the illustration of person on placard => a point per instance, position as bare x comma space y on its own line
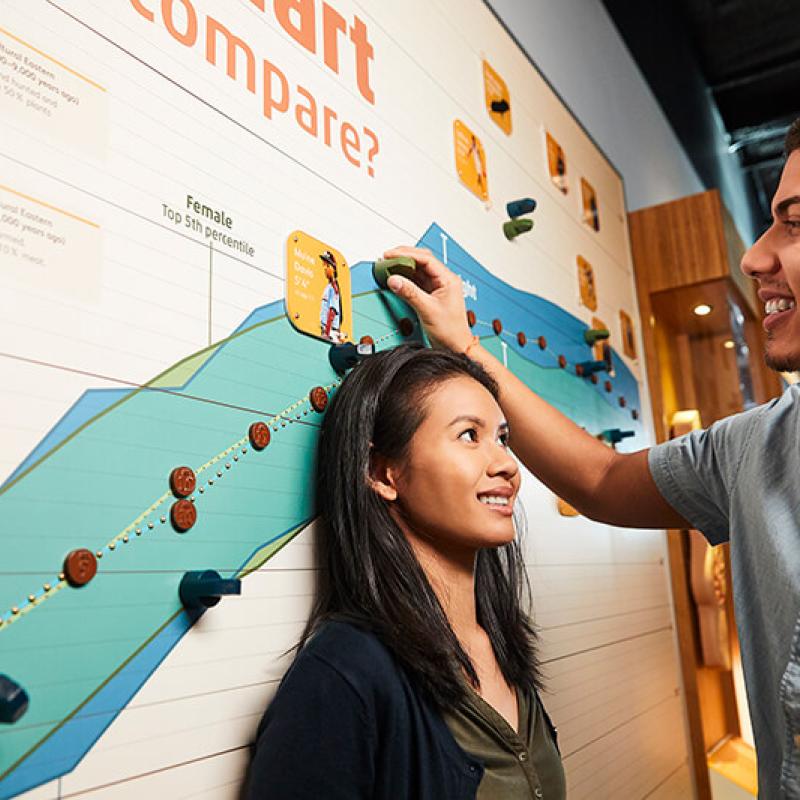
330, 313
560, 178
480, 167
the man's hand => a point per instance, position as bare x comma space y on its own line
437, 297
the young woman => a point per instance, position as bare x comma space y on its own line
416, 677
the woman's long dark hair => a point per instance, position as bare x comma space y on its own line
368, 573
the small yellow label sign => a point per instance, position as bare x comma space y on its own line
318, 294
498, 99
470, 160
587, 284
557, 164
628, 335
565, 509
591, 213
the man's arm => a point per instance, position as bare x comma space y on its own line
601, 483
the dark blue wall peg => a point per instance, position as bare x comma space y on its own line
594, 335
346, 356
500, 106
13, 700
588, 368
615, 435
404, 266
514, 227
516, 208
203, 589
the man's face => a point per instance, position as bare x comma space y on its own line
774, 261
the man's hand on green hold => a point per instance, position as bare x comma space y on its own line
436, 294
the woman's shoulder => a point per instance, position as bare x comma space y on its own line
351, 650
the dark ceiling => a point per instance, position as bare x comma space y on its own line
746, 55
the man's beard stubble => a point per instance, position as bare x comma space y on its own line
788, 363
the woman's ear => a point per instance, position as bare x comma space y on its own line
382, 477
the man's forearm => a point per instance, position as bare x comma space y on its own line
598, 481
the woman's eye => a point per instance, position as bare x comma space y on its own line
469, 435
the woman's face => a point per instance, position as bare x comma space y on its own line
458, 485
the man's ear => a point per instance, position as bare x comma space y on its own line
382, 477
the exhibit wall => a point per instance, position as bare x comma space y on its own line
577, 46
191, 198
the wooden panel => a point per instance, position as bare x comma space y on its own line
680, 243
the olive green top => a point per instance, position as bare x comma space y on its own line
519, 765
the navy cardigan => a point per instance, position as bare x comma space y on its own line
347, 723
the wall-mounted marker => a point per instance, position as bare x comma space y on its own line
500, 106
516, 208
344, 357
13, 700
587, 368
515, 227
182, 481
594, 335
382, 270
183, 515
615, 435
203, 589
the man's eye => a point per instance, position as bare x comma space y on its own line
503, 439
793, 225
469, 435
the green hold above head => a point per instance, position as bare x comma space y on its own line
404, 266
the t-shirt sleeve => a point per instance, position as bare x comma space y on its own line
696, 473
316, 739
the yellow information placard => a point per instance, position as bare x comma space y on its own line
470, 160
628, 335
588, 289
591, 213
498, 98
318, 294
557, 164
602, 347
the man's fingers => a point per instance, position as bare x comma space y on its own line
431, 273
408, 291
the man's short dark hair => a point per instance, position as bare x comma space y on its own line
792, 142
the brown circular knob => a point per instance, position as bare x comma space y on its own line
622, 402
259, 435
607, 386
634, 413
319, 399
542, 342
471, 318
80, 566
182, 481
522, 339
367, 340
562, 362
497, 326
183, 515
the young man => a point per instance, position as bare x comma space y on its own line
738, 481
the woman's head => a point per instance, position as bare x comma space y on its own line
436, 457
414, 446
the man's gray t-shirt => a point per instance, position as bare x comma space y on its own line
742, 476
